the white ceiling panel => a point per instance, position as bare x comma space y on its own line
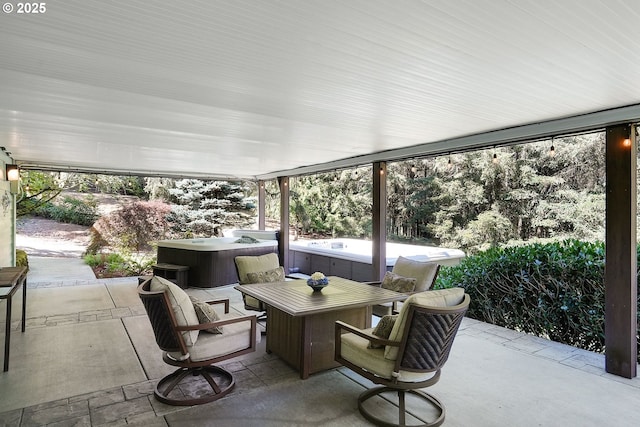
249, 88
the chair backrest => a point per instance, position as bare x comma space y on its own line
246, 264
424, 272
429, 335
162, 318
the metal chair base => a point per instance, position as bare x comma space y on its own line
218, 389
378, 391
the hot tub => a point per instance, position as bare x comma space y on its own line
351, 258
210, 260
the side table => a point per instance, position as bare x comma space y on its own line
178, 274
11, 278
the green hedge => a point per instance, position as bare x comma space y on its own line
553, 290
71, 210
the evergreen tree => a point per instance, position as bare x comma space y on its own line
204, 208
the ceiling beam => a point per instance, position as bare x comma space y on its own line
594, 121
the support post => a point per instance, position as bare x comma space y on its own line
621, 290
261, 206
283, 244
379, 217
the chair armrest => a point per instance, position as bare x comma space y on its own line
220, 301
374, 339
201, 326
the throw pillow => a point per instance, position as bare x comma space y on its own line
383, 329
398, 283
206, 314
274, 275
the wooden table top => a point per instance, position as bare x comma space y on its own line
10, 275
296, 298
9, 278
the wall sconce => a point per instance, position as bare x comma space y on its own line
13, 173
13, 176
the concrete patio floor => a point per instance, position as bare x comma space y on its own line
88, 358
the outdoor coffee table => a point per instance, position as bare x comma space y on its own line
300, 322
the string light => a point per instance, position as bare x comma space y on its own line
495, 158
552, 150
627, 142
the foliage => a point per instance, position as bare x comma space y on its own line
203, 208
336, 204
72, 210
158, 188
107, 265
110, 184
553, 290
21, 258
133, 228
470, 202
465, 200
38, 189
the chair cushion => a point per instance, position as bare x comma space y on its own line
254, 264
235, 337
273, 275
180, 304
398, 283
206, 314
383, 329
439, 298
355, 349
424, 272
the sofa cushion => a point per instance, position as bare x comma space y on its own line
235, 337
181, 305
439, 298
206, 314
424, 272
355, 349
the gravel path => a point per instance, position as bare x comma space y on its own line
41, 237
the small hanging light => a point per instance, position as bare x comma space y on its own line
495, 158
552, 150
413, 169
627, 142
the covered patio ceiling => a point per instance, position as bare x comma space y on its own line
257, 89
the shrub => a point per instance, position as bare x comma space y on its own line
21, 258
117, 265
134, 227
71, 210
553, 290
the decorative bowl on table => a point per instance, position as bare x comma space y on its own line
317, 281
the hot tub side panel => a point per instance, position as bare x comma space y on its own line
208, 269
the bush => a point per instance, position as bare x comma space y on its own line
553, 290
134, 227
71, 210
21, 258
116, 265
